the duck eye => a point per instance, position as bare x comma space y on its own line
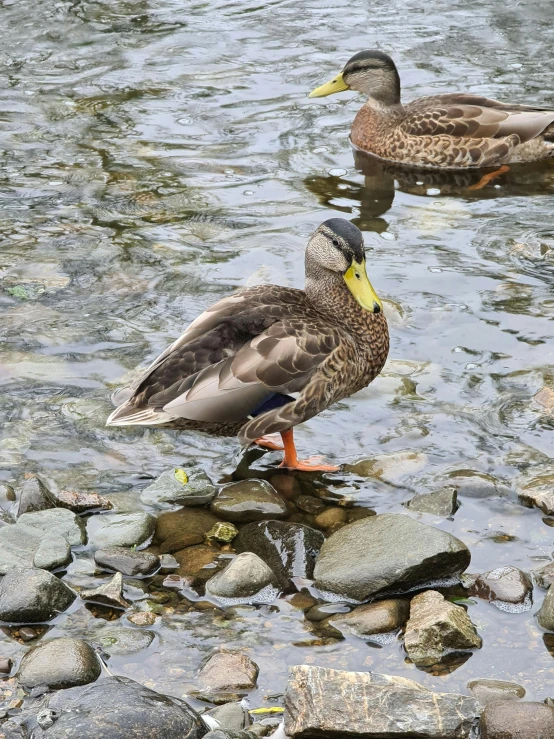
335, 242
357, 275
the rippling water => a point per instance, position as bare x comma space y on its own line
156, 155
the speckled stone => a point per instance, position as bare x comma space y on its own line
30, 595
517, 720
247, 501
59, 663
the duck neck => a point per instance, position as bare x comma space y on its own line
329, 294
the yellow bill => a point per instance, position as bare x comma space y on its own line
336, 85
359, 285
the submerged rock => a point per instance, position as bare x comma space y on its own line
32, 595
373, 618
538, 491
504, 586
22, 547
108, 594
289, 549
391, 467
437, 628
231, 716
228, 672
177, 486
491, 691
443, 502
334, 703
247, 501
390, 553
121, 641
119, 708
544, 576
223, 532
175, 525
59, 663
517, 720
127, 561
120, 529
545, 615
248, 578
35, 496
81, 502
55, 522
200, 563
475, 484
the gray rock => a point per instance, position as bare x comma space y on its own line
127, 561
229, 734
443, 502
169, 488
121, 641
544, 576
545, 615
22, 547
373, 618
247, 578
32, 595
247, 501
517, 720
59, 663
35, 496
475, 484
228, 671
333, 703
437, 628
324, 611
108, 594
289, 549
120, 529
492, 691
119, 708
505, 587
390, 553
57, 522
231, 716
538, 490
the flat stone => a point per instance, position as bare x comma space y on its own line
170, 487
81, 502
545, 615
544, 576
492, 691
373, 618
121, 642
320, 702
476, 484
330, 517
538, 491
35, 496
443, 502
55, 522
504, 585
391, 467
184, 522
230, 716
143, 618
517, 720
228, 671
180, 541
120, 529
437, 628
310, 504
59, 663
198, 562
127, 561
246, 578
288, 549
22, 547
247, 501
109, 593
30, 595
324, 611
389, 553
119, 708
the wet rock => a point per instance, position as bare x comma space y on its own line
302, 601
323, 611
119, 708
228, 672
181, 541
538, 491
55, 522
309, 504
184, 522
544, 576
7, 496
120, 529
127, 561
168, 563
223, 532
492, 691
230, 716
517, 720
443, 502
81, 502
33, 595
247, 501
121, 641
333, 703
35, 496
59, 663
22, 547
330, 517
229, 734
143, 618
373, 618
27, 634
289, 549
108, 594
390, 468
389, 553
475, 484
504, 586
177, 486
545, 615
248, 578
437, 628
198, 562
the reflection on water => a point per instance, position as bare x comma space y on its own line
156, 155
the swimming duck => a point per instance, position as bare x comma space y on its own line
267, 358
452, 131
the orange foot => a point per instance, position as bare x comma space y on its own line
485, 179
270, 441
292, 462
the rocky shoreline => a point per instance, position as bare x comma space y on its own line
252, 543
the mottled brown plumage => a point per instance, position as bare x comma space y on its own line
452, 131
265, 343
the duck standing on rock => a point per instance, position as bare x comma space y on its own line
268, 357
451, 131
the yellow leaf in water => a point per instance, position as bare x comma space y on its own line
181, 476
259, 711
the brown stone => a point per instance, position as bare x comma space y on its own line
356, 514
180, 541
374, 618
196, 561
302, 601
143, 618
79, 502
228, 671
330, 517
517, 720
492, 691
544, 576
310, 505
184, 521
506, 584
287, 485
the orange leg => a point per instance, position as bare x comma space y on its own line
486, 178
270, 441
292, 462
